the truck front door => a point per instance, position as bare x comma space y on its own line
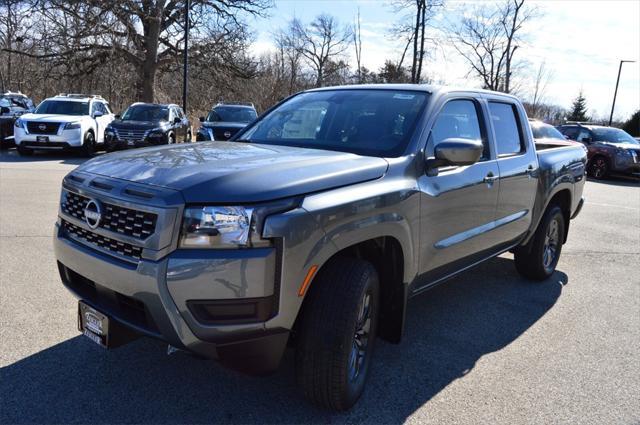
458, 205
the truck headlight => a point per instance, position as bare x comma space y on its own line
229, 227
215, 227
72, 125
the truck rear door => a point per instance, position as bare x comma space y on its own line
518, 165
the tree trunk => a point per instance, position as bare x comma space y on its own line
148, 68
422, 28
415, 42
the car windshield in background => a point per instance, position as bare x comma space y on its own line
544, 131
231, 114
365, 122
613, 135
63, 107
146, 113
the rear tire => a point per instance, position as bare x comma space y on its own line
24, 151
337, 333
88, 148
538, 259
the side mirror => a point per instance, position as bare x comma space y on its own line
97, 114
177, 120
455, 151
586, 140
201, 119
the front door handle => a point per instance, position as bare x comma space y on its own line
490, 178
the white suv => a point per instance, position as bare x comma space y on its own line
62, 122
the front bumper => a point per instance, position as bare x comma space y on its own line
64, 139
626, 164
154, 298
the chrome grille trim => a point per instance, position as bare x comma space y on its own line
93, 240
136, 135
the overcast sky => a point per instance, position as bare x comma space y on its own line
581, 43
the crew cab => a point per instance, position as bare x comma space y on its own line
225, 120
610, 150
313, 227
66, 121
148, 124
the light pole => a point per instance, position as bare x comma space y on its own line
615, 93
185, 74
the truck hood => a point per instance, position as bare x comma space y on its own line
52, 117
632, 146
230, 172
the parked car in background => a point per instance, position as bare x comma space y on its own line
225, 120
66, 121
610, 150
340, 205
148, 124
547, 136
12, 106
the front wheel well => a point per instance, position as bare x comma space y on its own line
386, 255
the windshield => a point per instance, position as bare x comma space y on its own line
365, 122
146, 113
231, 114
613, 135
545, 131
63, 107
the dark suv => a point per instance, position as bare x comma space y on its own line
12, 105
610, 150
148, 124
225, 120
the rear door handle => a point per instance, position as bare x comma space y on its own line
490, 178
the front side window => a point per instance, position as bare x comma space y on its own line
63, 107
146, 113
362, 121
458, 119
506, 126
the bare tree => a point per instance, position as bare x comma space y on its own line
488, 39
148, 34
321, 42
357, 43
540, 83
412, 29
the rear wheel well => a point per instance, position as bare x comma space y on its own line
563, 200
386, 255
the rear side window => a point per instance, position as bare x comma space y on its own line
458, 119
506, 126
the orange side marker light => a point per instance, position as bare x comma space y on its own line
307, 280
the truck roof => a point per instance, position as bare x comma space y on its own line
428, 88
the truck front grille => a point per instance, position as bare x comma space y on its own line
36, 127
126, 221
93, 239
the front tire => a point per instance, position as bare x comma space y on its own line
88, 148
599, 168
337, 333
538, 259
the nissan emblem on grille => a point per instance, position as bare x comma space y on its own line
42, 127
93, 213
227, 134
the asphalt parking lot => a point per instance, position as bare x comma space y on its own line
487, 347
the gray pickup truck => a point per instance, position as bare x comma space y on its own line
313, 227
